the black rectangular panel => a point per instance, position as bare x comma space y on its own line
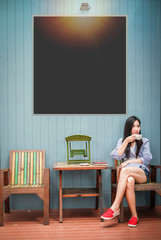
79, 65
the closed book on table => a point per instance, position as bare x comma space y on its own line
101, 163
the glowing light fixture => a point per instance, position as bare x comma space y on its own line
84, 7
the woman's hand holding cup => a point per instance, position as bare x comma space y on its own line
130, 139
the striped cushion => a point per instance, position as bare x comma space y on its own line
26, 168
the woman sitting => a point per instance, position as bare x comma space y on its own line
136, 155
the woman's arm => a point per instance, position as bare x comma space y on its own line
122, 148
145, 153
135, 160
114, 153
119, 152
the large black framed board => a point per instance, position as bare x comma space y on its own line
79, 64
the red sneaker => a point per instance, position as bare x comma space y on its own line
109, 214
133, 222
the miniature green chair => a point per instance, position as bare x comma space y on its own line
71, 153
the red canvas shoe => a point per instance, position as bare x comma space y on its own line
110, 214
133, 222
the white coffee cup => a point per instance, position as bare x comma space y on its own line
138, 136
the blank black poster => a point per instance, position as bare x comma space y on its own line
79, 65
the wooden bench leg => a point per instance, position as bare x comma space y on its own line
46, 196
46, 212
113, 195
1, 213
113, 190
152, 193
1, 198
152, 199
7, 205
121, 216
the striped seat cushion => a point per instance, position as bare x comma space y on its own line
26, 168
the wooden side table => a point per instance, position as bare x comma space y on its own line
79, 192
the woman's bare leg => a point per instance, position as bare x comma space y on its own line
130, 196
139, 176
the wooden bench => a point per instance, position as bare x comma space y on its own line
26, 175
152, 186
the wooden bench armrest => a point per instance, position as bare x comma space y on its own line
4, 170
154, 172
151, 166
155, 166
114, 167
47, 170
4, 176
46, 176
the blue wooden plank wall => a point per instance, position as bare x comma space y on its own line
20, 129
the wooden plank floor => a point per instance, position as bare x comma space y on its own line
80, 224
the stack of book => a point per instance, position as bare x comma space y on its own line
100, 163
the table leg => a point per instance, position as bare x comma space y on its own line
60, 198
100, 191
97, 186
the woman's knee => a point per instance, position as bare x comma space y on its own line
130, 183
124, 172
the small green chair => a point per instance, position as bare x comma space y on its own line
84, 154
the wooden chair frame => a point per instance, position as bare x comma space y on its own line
42, 191
152, 186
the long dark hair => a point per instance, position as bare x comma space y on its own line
127, 132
